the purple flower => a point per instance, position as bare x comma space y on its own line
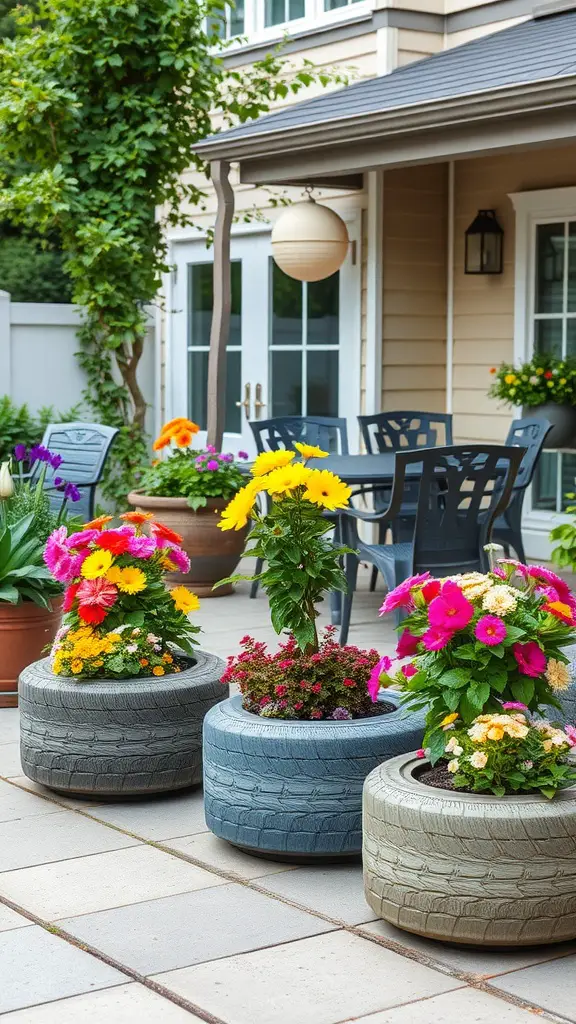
340, 714
226, 457
58, 482
180, 559
141, 547
38, 453
56, 461
201, 458
210, 448
71, 493
212, 465
514, 705
20, 452
243, 455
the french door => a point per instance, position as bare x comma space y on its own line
294, 349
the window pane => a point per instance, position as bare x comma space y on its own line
548, 337
198, 384
274, 12
571, 338
331, 5
286, 309
545, 478
572, 267
296, 9
568, 478
200, 302
323, 383
323, 311
286, 375
549, 268
237, 19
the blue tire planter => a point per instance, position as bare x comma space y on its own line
290, 789
568, 699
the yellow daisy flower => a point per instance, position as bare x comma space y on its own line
288, 478
185, 600
158, 670
97, 564
129, 580
310, 451
237, 511
267, 461
327, 490
76, 666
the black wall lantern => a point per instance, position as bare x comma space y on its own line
484, 240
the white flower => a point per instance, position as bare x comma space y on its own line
478, 759
527, 765
558, 675
458, 751
152, 639
499, 600
533, 379
453, 765
132, 648
6, 481
452, 742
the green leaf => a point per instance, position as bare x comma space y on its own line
478, 693
455, 677
134, 619
523, 690
8, 593
436, 743
197, 501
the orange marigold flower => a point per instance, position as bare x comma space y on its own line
137, 517
144, 662
492, 369
161, 442
183, 439
560, 611
159, 530
157, 670
99, 523
167, 658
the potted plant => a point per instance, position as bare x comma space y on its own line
284, 762
188, 490
462, 839
546, 389
117, 709
30, 599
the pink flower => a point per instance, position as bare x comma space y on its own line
401, 596
62, 564
436, 639
98, 592
421, 753
373, 684
514, 705
501, 573
407, 644
490, 630
281, 690
82, 539
409, 670
212, 465
141, 547
450, 610
180, 559
571, 734
316, 713
299, 704
530, 659
540, 572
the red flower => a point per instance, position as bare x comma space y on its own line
348, 682
548, 374
407, 644
316, 688
99, 592
560, 611
159, 530
70, 596
431, 590
316, 713
92, 613
113, 541
299, 704
281, 690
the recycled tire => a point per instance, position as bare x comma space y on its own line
465, 868
117, 737
291, 789
567, 699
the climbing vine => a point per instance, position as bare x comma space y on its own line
100, 106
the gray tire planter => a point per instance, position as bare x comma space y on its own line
293, 789
562, 418
465, 868
116, 737
567, 699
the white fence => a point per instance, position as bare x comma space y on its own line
37, 360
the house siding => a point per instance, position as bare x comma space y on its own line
417, 45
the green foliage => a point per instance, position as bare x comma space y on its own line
184, 474
31, 273
8, 21
543, 379
19, 426
565, 554
23, 574
101, 107
506, 753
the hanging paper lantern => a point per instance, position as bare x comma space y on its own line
309, 241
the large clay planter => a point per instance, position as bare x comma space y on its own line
214, 554
563, 420
480, 870
293, 789
117, 737
25, 630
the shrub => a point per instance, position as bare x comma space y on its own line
31, 273
19, 426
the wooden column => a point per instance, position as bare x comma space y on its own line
220, 329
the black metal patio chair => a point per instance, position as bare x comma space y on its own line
529, 434
84, 448
461, 491
402, 431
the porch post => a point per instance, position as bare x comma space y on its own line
220, 329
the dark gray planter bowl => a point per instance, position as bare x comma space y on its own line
293, 789
117, 737
562, 418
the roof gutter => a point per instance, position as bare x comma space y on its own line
520, 98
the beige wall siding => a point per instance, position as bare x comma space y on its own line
484, 305
414, 299
417, 45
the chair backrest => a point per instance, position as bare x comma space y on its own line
529, 434
398, 431
84, 448
462, 488
328, 432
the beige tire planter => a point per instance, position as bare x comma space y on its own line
117, 737
465, 868
213, 553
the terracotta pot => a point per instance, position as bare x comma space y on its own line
25, 629
213, 554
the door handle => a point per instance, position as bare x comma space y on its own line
246, 402
258, 403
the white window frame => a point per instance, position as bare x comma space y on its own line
315, 17
532, 208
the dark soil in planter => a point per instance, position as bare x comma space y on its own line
438, 777
381, 707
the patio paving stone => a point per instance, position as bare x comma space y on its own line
320, 980
38, 967
335, 890
9, 726
216, 853
158, 818
50, 794
53, 837
480, 962
126, 1004
10, 764
9, 919
16, 804
466, 1004
177, 931
104, 881
551, 985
